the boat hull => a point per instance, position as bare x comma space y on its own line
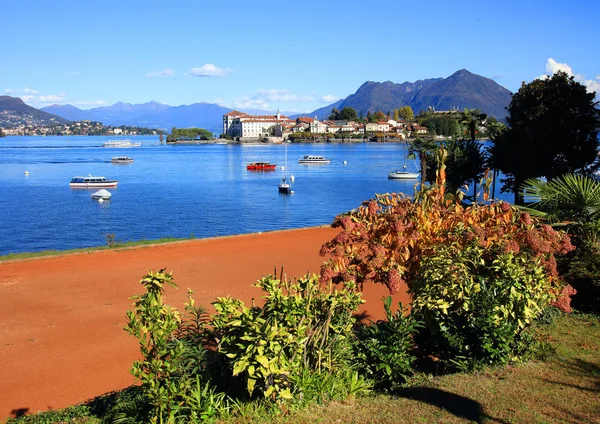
107, 184
269, 167
403, 175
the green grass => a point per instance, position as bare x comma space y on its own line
563, 389
117, 245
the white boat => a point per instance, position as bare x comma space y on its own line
121, 159
92, 182
403, 174
313, 159
101, 195
121, 143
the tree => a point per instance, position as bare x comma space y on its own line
379, 116
396, 115
422, 148
369, 117
2, 133
406, 113
472, 119
334, 115
348, 114
465, 164
554, 121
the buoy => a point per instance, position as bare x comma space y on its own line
282, 168
26, 172
345, 162
292, 178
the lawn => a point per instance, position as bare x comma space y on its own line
564, 388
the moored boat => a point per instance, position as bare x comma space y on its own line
403, 174
101, 194
122, 159
313, 159
261, 166
92, 182
121, 143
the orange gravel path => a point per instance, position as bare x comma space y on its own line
62, 317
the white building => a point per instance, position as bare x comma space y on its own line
253, 127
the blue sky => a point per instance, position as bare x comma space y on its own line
292, 56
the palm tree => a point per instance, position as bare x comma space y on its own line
472, 119
571, 198
422, 148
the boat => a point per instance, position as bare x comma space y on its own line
284, 187
101, 195
122, 159
404, 173
92, 182
121, 143
261, 166
313, 159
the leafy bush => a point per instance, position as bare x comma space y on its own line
478, 274
384, 350
582, 271
173, 365
301, 326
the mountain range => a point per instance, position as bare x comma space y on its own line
460, 90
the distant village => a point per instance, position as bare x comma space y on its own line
242, 127
77, 128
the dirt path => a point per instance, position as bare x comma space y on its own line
61, 318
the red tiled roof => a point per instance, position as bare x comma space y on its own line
235, 113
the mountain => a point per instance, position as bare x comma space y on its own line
14, 112
462, 89
150, 115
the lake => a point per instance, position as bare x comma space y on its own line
179, 190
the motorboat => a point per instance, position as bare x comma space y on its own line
313, 159
122, 159
101, 195
403, 174
92, 182
261, 166
121, 143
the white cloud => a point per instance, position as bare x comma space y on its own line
24, 91
164, 73
260, 99
329, 98
73, 74
209, 70
552, 66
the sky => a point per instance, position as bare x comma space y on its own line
294, 56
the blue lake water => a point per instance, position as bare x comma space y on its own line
178, 191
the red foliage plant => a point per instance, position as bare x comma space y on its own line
384, 240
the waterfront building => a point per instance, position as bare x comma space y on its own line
254, 127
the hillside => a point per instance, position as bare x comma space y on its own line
13, 111
462, 89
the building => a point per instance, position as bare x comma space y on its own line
246, 127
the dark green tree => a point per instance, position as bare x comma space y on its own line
334, 115
2, 133
471, 120
423, 149
348, 114
554, 125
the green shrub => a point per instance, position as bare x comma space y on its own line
384, 350
582, 271
301, 326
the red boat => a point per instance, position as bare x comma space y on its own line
261, 166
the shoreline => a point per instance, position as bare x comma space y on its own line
62, 317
